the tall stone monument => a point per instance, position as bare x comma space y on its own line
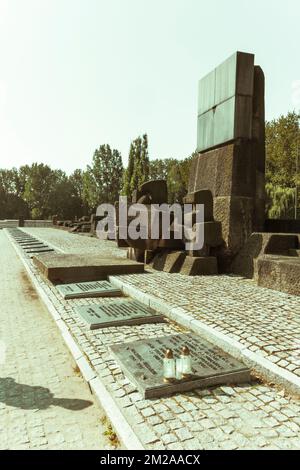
231, 146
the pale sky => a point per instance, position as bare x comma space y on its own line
75, 74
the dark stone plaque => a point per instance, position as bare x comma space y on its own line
88, 289
33, 245
20, 239
118, 313
142, 362
45, 249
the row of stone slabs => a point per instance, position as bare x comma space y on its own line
29, 244
118, 312
142, 361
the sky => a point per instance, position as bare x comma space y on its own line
75, 74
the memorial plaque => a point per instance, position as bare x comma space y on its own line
88, 289
46, 249
21, 239
32, 245
142, 362
118, 313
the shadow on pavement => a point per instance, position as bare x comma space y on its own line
28, 397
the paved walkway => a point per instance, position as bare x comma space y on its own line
44, 402
243, 416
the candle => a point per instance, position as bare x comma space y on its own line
169, 366
186, 362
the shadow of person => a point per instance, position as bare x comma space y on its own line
28, 397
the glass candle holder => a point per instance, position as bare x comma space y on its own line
169, 366
179, 368
186, 362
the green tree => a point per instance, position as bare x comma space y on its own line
282, 136
38, 190
103, 179
138, 165
282, 145
159, 168
280, 202
177, 180
11, 203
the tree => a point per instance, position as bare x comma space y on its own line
280, 202
282, 135
159, 168
138, 165
282, 145
177, 180
103, 179
38, 191
11, 203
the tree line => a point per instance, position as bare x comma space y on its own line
36, 191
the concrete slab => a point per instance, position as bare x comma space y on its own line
68, 268
88, 289
118, 313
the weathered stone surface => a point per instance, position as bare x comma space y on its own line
212, 233
225, 171
202, 197
195, 266
258, 244
155, 190
63, 268
279, 273
169, 262
142, 362
236, 216
118, 313
280, 244
88, 289
294, 252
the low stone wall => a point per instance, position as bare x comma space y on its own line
282, 226
38, 223
27, 223
8, 223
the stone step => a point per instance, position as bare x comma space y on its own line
169, 262
212, 233
280, 244
294, 252
68, 268
194, 266
280, 273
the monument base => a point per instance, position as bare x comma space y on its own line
67, 268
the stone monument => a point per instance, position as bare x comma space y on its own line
231, 146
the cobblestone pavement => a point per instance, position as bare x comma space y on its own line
243, 416
44, 402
